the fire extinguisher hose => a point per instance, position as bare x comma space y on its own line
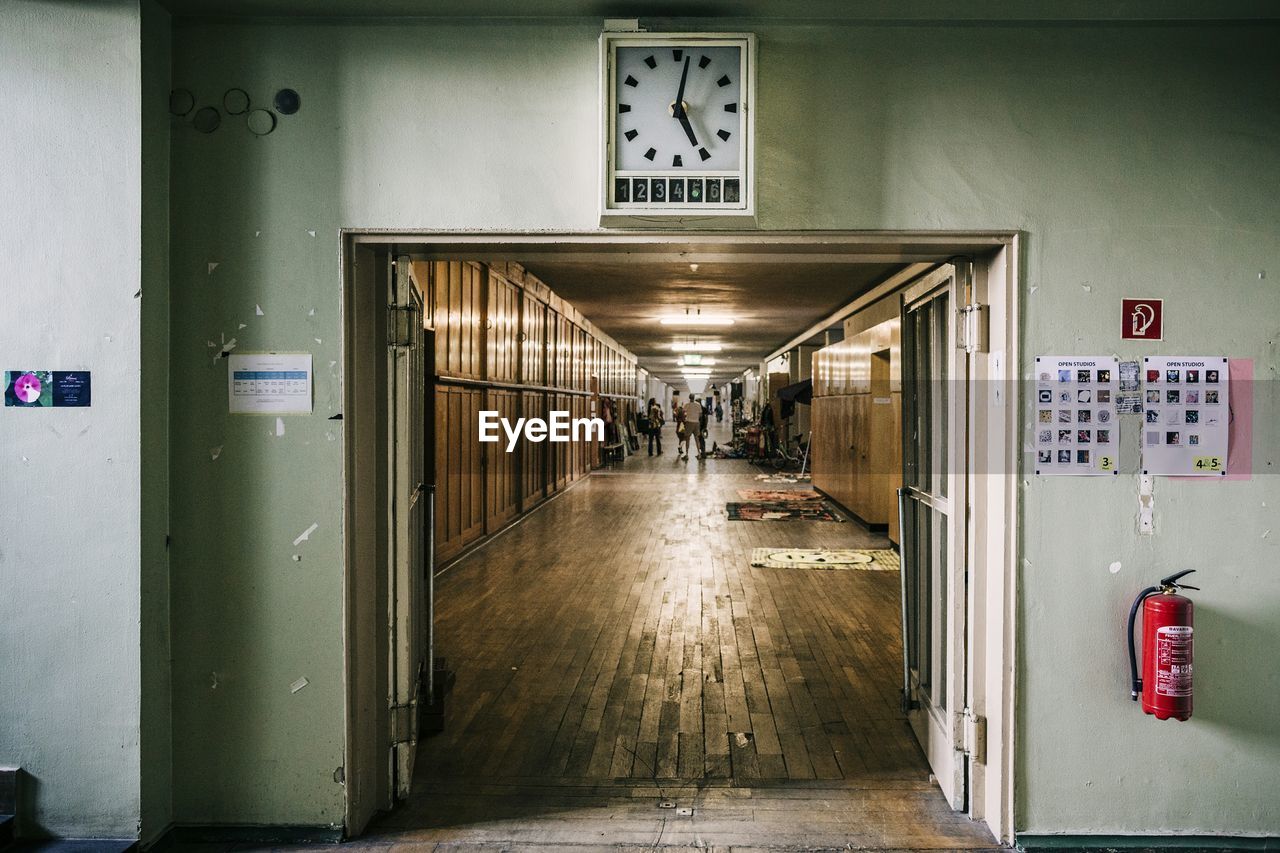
1135, 681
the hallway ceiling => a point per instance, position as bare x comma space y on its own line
772, 302
914, 11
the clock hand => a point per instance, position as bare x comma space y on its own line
688, 129
678, 110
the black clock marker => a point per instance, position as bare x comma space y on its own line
724, 81
624, 108
731, 108
723, 134
704, 62
677, 160
650, 61
631, 81
650, 154
677, 55
631, 134
702, 152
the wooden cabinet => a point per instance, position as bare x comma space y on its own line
502, 471
458, 308
533, 331
857, 423
502, 331
459, 481
504, 342
533, 455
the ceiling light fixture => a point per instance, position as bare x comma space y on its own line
696, 319
694, 360
697, 347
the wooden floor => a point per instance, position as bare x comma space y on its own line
616, 650
616, 653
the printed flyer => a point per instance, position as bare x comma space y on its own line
1075, 428
1187, 415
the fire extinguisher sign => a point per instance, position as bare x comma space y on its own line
1173, 660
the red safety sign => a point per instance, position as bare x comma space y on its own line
1142, 319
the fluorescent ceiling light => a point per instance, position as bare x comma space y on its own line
695, 360
707, 347
696, 320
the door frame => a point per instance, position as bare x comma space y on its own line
994, 526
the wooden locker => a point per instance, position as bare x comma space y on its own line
533, 455
533, 327
501, 469
502, 346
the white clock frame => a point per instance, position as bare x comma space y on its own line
746, 205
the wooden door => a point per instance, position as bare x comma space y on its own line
407, 512
501, 470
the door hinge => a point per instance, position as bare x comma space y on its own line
404, 723
973, 332
403, 326
973, 730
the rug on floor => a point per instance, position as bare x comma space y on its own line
783, 478
826, 558
818, 510
770, 495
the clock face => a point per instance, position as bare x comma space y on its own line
677, 123
701, 134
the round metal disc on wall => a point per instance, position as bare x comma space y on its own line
181, 102
235, 102
207, 119
288, 102
261, 122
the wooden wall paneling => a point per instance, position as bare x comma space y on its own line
460, 483
558, 453
444, 503
533, 326
474, 280
501, 469
857, 423
533, 455
473, 473
553, 347
458, 308
577, 357
502, 347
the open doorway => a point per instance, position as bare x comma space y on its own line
616, 650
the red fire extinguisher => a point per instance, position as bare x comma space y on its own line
1165, 683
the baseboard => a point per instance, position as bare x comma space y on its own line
1187, 843
245, 834
74, 845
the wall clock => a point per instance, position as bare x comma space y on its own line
678, 123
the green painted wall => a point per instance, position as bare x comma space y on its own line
1138, 159
70, 241
156, 723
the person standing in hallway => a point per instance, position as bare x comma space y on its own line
694, 415
688, 423
655, 425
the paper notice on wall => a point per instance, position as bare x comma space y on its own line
1074, 427
1129, 397
1187, 413
269, 383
